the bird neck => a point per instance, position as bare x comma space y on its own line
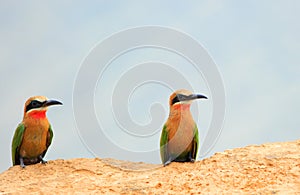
36, 114
181, 107
180, 110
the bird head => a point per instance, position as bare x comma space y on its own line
183, 98
37, 106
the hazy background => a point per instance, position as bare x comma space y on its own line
255, 44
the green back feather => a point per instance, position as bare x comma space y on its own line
49, 140
17, 140
163, 146
196, 142
50, 136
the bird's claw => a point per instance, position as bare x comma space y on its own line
42, 160
167, 162
22, 163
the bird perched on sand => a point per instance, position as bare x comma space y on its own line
34, 134
179, 138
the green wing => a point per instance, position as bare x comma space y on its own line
50, 136
163, 145
17, 140
49, 140
195, 143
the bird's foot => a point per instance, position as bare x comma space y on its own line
167, 162
22, 163
42, 160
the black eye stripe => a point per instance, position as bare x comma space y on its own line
175, 100
34, 104
178, 98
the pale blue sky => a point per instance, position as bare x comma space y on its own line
255, 45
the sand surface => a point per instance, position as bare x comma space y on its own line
264, 169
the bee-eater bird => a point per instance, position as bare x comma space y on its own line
34, 134
179, 138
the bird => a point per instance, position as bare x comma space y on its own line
34, 134
179, 139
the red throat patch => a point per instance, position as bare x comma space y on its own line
39, 114
182, 106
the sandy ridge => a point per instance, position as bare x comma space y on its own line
268, 169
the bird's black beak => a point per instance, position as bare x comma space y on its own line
51, 102
195, 96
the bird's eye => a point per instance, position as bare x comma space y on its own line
35, 104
